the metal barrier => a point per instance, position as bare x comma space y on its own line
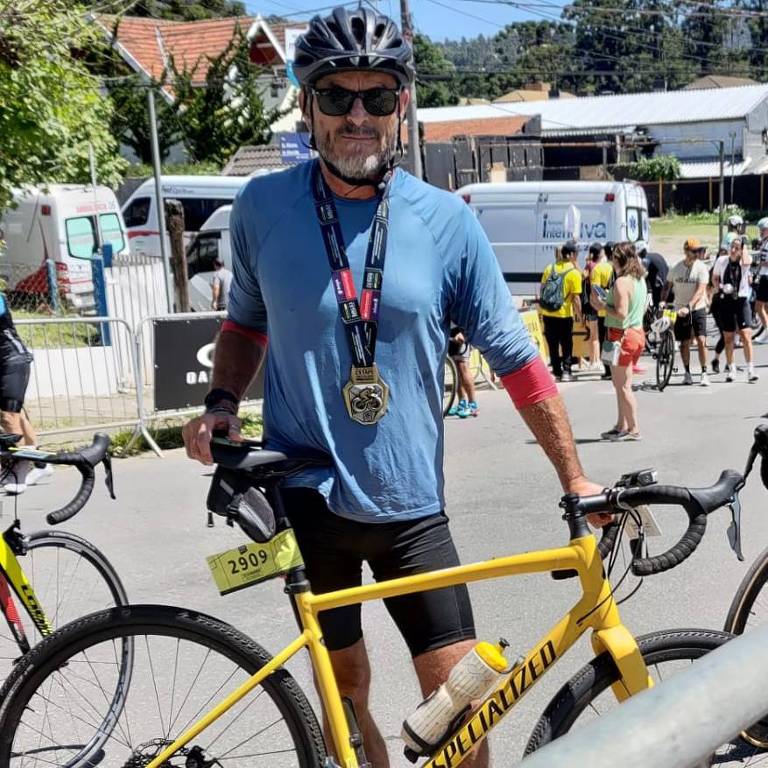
77, 382
679, 723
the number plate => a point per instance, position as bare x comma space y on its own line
670, 314
252, 563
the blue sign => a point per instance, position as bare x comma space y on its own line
294, 147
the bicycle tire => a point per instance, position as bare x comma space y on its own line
749, 589
114, 593
596, 677
59, 653
665, 358
450, 384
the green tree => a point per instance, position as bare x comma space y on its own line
52, 107
228, 111
431, 64
179, 10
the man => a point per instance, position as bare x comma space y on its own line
761, 297
656, 271
733, 231
220, 285
602, 276
689, 279
362, 381
558, 317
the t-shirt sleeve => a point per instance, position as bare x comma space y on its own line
246, 303
483, 306
574, 276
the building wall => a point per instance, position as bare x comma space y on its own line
673, 139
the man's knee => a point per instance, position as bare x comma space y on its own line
353, 672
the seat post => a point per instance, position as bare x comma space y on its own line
296, 579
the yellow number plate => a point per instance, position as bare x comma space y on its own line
671, 314
252, 563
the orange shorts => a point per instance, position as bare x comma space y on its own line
632, 344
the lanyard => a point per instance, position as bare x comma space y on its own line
360, 319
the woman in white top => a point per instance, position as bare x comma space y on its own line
730, 280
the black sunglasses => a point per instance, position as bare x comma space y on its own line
336, 101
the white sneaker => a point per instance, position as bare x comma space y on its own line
687, 378
728, 375
36, 474
17, 478
752, 376
704, 379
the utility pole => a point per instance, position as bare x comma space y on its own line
159, 197
413, 124
722, 193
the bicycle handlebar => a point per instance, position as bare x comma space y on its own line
697, 502
84, 459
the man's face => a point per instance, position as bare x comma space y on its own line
358, 144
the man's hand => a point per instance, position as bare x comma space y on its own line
596, 300
198, 432
683, 312
585, 487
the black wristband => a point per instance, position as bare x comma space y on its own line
220, 396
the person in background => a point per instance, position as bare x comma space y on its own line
602, 276
714, 308
220, 284
689, 279
761, 294
595, 255
460, 350
730, 278
558, 322
656, 271
734, 225
625, 305
15, 367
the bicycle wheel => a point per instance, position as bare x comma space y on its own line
665, 360
750, 603
588, 693
184, 664
70, 578
450, 385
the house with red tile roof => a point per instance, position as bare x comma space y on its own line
147, 45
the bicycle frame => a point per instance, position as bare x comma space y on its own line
13, 576
595, 610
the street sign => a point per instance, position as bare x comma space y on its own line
294, 147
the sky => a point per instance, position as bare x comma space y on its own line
439, 19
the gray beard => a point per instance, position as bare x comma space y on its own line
362, 167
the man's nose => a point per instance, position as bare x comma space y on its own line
357, 114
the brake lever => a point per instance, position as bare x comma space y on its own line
108, 479
734, 529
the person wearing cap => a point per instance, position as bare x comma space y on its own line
656, 270
688, 279
558, 323
357, 377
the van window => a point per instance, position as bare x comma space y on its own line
197, 210
137, 213
111, 232
202, 252
81, 237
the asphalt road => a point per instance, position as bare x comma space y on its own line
502, 498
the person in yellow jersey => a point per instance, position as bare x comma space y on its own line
560, 302
602, 276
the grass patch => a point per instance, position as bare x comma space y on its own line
54, 335
167, 435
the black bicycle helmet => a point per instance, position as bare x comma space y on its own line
352, 40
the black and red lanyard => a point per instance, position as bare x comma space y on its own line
360, 319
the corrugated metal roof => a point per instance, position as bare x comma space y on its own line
711, 170
601, 112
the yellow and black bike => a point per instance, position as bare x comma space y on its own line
48, 578
203, 694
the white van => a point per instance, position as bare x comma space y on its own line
526, 220
211, 242
66, 223
200, 196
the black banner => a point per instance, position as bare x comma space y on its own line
184, 362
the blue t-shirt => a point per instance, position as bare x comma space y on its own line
439, 269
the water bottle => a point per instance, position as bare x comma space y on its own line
472, 677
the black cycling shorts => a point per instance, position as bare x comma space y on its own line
14, 378
692, 325
334, 549
762, 289
735, 314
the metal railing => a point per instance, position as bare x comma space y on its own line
679, 723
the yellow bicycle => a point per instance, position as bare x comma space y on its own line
203, 694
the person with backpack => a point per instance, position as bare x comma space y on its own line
560, 302
596, 254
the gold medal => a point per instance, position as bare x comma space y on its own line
366, 395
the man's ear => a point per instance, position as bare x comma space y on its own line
405, 99
303, 106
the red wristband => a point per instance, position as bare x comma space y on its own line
230, 326
530, 384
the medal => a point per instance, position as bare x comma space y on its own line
366, 395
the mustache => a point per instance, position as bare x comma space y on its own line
363, 131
